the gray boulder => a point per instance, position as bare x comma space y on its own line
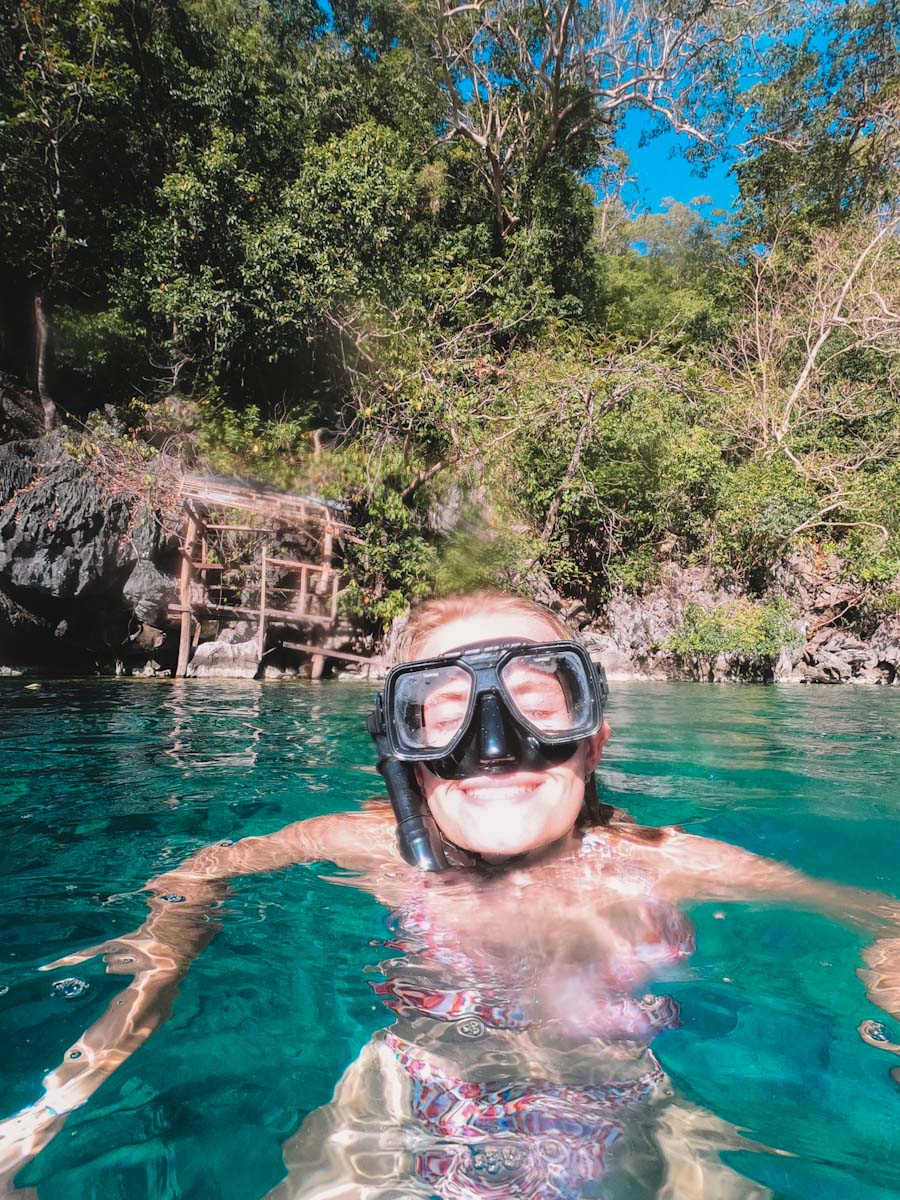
148, 593
61, 534
21, 415
225, 660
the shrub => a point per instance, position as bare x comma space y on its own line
757, 632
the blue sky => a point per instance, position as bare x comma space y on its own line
660, 170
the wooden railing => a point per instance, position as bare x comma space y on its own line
309, 594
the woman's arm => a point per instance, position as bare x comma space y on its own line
697, 868
703, 869
157, 954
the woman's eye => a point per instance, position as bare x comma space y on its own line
547, 715
447, 716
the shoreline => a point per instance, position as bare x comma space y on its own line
37, 676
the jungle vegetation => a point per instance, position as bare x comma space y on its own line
380, 249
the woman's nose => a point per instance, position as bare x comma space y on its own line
498, 741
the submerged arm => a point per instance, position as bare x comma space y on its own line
702, 869
158, 953
709, 870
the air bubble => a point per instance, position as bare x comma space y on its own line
68, 989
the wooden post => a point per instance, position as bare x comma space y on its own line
261, 632
318, 661
334, 597
327, 552
184, 596
302, 607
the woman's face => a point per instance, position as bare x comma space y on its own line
517, 811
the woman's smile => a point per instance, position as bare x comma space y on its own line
513, 787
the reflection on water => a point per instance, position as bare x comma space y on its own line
227, 737
569, 1075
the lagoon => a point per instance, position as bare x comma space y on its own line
107, 783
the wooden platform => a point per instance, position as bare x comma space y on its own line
224, 558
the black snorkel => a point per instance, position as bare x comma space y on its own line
418, 838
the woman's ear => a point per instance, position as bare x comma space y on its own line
595, 748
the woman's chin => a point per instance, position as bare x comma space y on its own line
507, 816
505, 838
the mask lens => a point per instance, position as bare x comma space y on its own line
549, 691
430, 707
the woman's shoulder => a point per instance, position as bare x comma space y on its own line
622, 830
624, 845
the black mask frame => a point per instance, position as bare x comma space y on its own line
492, 713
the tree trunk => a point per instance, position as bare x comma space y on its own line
41, 350
583, 435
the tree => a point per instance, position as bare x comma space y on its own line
63, 105
824, 124
667, 274
528, 81
812, 372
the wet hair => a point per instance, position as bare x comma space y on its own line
433, 614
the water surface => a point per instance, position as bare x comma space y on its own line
107, 783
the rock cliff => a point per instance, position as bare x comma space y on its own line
84, 569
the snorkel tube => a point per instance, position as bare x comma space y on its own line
418, 840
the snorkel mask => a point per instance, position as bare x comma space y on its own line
485, 709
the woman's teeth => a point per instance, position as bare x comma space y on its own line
512, 791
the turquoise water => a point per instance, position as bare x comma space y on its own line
107, 783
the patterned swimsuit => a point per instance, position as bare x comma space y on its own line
532, 1138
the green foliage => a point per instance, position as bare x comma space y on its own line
65, 101
824, 119
273, 228
246, 443
96, 353
753, 632
667, 275
394, 561
762, 502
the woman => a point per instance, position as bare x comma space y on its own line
519, 1060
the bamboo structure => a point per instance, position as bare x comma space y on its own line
226, 559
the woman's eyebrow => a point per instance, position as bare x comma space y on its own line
447, 693
533, 679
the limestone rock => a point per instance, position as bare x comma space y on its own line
148, 593
16, 470
884, 649
787, 670
62, 535
617, 665
225, 660
21, 415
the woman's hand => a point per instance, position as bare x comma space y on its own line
882, 974
157, 964
157, 954
131, 954
21, 1138
882, 980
